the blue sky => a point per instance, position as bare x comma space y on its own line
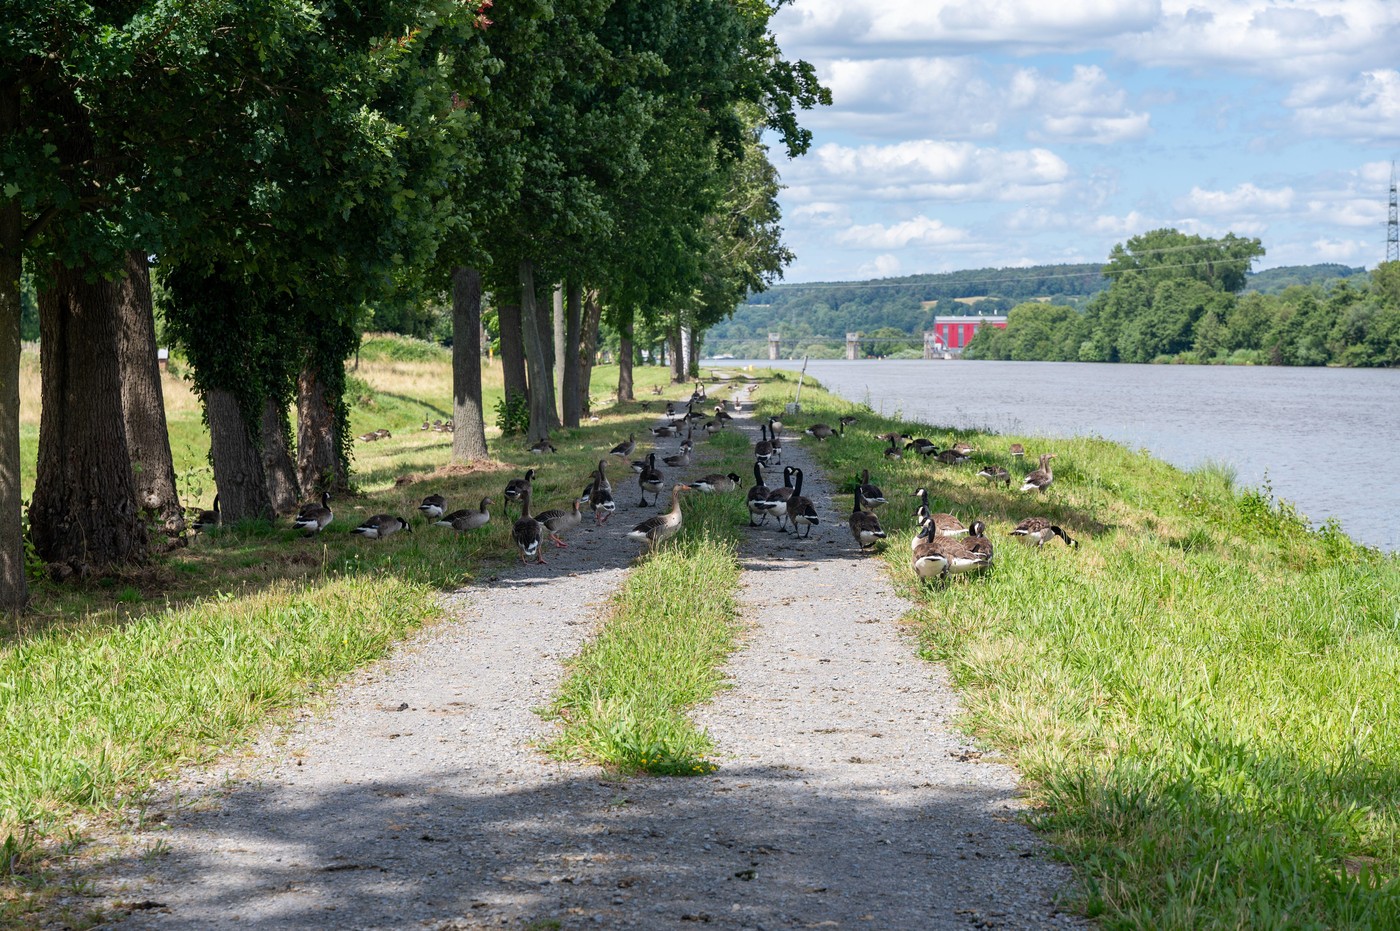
970, 133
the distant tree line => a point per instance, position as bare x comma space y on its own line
1177, 298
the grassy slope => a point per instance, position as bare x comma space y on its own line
107, 685
1202, 696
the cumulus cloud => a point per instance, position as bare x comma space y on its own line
823, 214
1342, 250
1130, 224
929, 169
1365, 106
921, 231
1245, 199
882, 266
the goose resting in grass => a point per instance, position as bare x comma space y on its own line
313, 518
1040, 479
938, 557
996, 474
433, 507
944, 524
1041, 531
654, 531
1017, 451
865, 526
208, 520
468, 520
381, 526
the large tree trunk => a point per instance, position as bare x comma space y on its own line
143, 401
14, 592
512, 351
573, 313
281, 475
558, 364
83, 517
624, 358
673, 341
588, 349
693, 362
546, 330
534, 355
238, 466
469, 432
320, 466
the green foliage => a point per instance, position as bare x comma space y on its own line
379, 346
513, 415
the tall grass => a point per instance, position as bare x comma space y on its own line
1202, 697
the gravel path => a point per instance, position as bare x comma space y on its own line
418, 798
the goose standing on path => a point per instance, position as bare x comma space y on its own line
680, 460
800, 508
528, 533
715, 482
557, 521
757, 498
600, 495
517, 489
778, 498
381, 526
433, 507
870, 494
624, 449
865, 526
763, 449
314, 517
465, 519
1041, 531
656, 530
208, 520
1040, 479
773, 427
650, 480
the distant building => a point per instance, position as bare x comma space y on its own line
953, 333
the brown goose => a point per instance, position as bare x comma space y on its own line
1040, 479
650, 480
865, 526
1017, 451
382, 526
467, 520
757, 498
976, 540
543, 446
656, 530
951, 457
715, 482
939, 557
528, 533
1041, 531
962, 449
944, 524
680, 460
822, 431
557, 521
996, 474
624, 449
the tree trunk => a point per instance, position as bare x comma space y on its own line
512, 352
624, 359
143, 401
546, 331
534, 355
694, 360
588, 349
561, 349
573, 312
14, 591
673, 341
83, 518
320, 466
238, 467
469, 433
281, 475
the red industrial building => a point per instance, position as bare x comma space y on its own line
952, 334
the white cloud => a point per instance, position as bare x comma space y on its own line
823, 215
1245, 199
928, 169
921, 231
1342, 250
1130, 224
1365, 107
882, 266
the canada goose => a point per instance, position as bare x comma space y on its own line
1040, 479
865, 526
663, 432
848, 421
995, 474
543, 446
763, 449
516, 489
527, 532
757, 498
976, 540
715, 482
893, 437
433, 506
722, 416
778, 498
922, 446
381, 526
650, 480
713, 427
938, 557
600, 495
367, 437
944, 524
656, 389
800, 508
738, 403
1017, 451
892, 451
383, 433
1041, 531
821, 431
951, 457
468, 520
624, 449
680, 460
774, 427
870, 494
655, 530
962, 449
313, 518
208, 520
557, 521
426, 425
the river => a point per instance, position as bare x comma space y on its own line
1326, 439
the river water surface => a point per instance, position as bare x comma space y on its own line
1327, 439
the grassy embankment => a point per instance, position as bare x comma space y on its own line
1202, 696
108, 685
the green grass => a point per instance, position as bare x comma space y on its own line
624, 703
1202, 696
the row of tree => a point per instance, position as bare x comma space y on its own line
295, 168
1175, 297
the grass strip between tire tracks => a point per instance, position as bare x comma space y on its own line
659, 653
1202, 696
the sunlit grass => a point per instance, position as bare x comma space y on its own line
1202, 696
